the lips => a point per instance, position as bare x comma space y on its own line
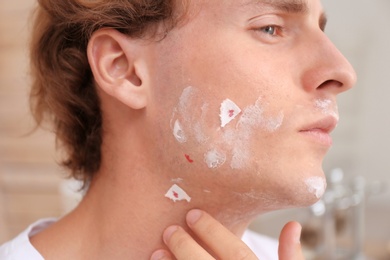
326, 125
320, 130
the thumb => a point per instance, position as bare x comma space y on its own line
289, 242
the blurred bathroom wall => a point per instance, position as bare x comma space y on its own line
29, 176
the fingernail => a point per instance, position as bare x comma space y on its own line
193, 216
168, 233
298, 234
159, 255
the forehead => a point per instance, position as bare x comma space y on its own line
235, 10
289, 6
286, 5
279, 6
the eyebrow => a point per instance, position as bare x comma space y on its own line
288, 6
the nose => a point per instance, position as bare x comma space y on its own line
329, 70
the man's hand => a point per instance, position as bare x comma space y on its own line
221, 241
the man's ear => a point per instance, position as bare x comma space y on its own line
118, 66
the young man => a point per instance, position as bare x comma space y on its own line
171, 109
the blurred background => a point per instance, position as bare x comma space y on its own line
355, 212
32, 186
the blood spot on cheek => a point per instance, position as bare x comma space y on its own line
231, 113
175, 194
189, 158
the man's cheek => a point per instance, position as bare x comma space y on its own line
219, 133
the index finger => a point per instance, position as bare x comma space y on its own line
223, 243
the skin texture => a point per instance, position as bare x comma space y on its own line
222, 49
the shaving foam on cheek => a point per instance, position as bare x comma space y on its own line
188, 119
214, 158
200, 136
273, 124
181, 111
253, 116
185, 97
179, 133
240, 157
316, 185
176, 193
177, 180
251, 119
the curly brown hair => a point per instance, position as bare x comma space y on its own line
63, 91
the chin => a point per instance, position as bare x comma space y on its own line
311, 191
311, 181
304, 187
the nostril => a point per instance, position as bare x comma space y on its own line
330, 83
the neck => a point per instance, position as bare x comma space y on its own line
125, 212
129, 218
120, 219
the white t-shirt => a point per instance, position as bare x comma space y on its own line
20, 247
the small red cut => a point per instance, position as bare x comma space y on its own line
188, 158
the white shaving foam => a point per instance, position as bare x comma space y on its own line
228, 111
181, 109
177, 180
179, 133
185, 98
214, 158
176, 193
250, 195
240, 157
253, 116
323, 104
186, 111
316, 185
229, 136
273, 124
327, 107
200, 136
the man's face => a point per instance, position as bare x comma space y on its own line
243, 99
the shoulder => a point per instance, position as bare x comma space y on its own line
20, 247
264, 247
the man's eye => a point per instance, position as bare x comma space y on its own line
270, 29
269, 33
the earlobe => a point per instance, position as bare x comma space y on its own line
117, 65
